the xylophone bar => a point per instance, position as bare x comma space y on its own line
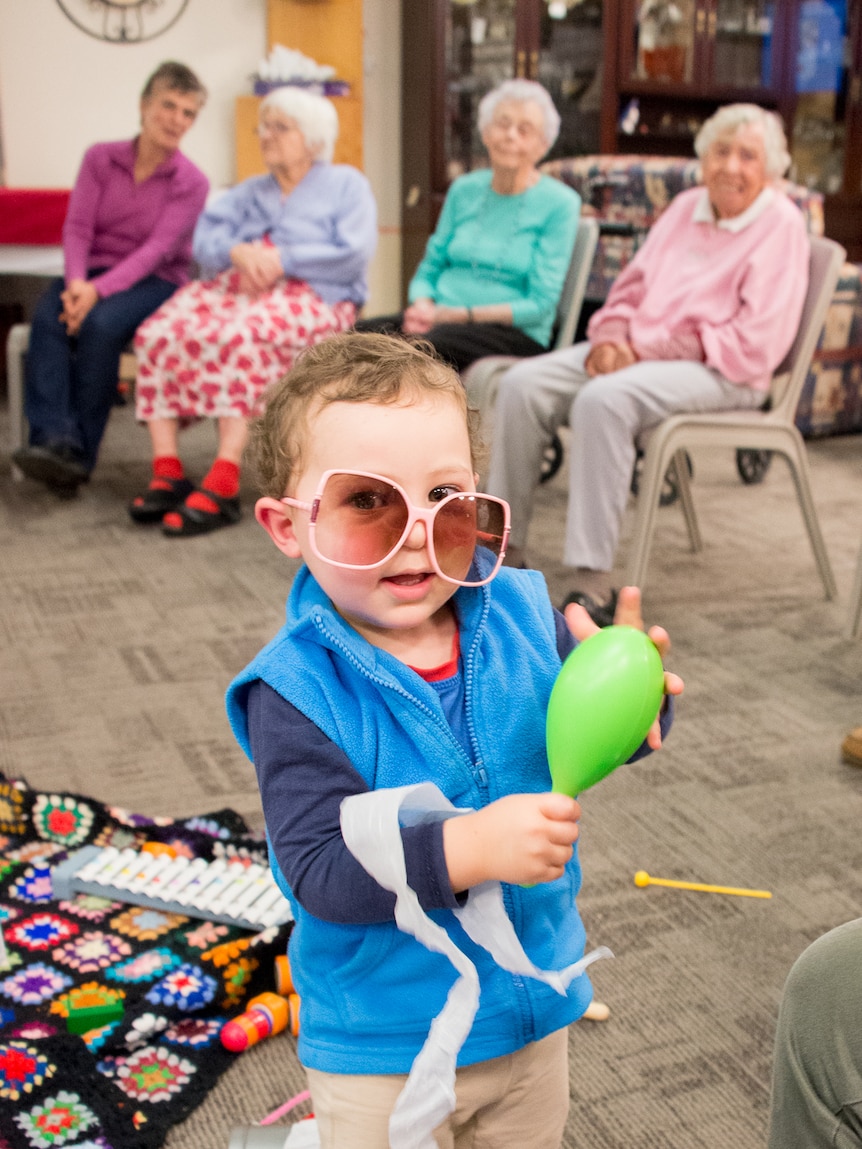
219, 891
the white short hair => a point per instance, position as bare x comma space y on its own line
522, 92
729, 119
315, 117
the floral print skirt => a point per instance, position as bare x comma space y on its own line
212, 350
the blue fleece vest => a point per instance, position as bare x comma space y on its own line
369, 993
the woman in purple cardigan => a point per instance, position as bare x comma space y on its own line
127, 248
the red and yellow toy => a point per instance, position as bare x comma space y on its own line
267, 1013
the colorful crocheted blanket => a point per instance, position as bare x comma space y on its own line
125, 1084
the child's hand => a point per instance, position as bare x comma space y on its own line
628, 613
523, 838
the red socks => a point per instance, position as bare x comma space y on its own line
166, 467
222, 479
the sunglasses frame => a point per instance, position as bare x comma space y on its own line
415, 514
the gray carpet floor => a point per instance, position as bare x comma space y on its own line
116, 646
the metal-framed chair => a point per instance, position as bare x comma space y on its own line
768, 429
482, 378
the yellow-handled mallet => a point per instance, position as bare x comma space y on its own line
642, 878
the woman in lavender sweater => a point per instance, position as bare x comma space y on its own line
127, 248
698, 321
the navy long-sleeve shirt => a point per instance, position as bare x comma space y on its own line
304, 777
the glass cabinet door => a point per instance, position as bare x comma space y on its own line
480, 37
569, 64
557, 42
665, 42
824, 95
740, 33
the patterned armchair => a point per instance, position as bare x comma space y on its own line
627, 193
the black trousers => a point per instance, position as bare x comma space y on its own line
463, 343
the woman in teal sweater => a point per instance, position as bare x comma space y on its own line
493, 270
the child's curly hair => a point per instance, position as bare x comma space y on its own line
348, 368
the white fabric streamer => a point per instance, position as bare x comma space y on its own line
371, 825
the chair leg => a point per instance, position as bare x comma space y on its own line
855, 619
798, 461
16, 349
656, 462
683, 484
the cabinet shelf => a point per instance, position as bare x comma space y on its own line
712, 93
728, 33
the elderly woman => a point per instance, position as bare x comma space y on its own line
285, 256
698, 321
493, 270
127, 247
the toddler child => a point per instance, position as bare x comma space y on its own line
402, 662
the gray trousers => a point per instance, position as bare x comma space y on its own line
605, 414
817, 1076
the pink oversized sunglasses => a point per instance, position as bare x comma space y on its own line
358, 520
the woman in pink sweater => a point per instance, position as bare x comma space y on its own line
698, 321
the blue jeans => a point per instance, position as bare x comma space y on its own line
71, 382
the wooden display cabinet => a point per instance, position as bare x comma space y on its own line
678, 60
452, 54
801, 58
634, 76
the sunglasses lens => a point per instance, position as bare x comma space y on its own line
359, 520
463, 526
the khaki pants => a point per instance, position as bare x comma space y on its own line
605, 414
507, 1103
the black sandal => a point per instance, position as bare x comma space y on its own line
602, 613
155, 502
198, 522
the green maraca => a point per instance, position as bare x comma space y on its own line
605, 699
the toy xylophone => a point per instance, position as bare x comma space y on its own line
232, 892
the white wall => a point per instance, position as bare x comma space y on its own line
382, 146
61, 90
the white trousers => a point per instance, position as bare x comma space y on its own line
605, 414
